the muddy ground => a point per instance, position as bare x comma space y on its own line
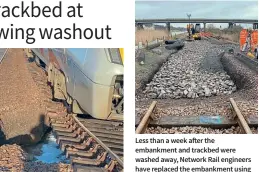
245, 96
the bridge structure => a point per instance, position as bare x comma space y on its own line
140, 22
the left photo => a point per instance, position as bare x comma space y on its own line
61, 109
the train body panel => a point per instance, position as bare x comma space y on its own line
92, 78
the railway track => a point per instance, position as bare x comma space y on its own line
3, 52
90, 144
218, 122
174, 123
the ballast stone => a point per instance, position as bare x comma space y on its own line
188, 75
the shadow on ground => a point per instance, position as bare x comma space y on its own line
35, 135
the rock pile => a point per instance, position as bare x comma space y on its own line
196, 71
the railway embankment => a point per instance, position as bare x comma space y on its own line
199, 80
153, 60
22, 110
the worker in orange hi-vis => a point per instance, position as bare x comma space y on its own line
243, 39
254, 42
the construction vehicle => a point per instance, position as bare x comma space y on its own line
194, 32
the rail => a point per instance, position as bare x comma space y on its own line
3, 55
215, 122
118, 159
90, 144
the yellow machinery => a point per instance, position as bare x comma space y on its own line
194, 31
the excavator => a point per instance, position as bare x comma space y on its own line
194, 32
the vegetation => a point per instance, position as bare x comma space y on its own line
150, 35
231, 34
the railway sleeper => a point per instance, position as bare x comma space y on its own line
110, 167
114, 147
64, 129
91, 153
102, 122
60, 119
97, 130
100, 161
116, 141
60, 133
82, 168
78, 139
106, 136
53, 116
71, 139
67, 128
83, 146
119, 153
104, 127
80, 146
101, 126
73, 134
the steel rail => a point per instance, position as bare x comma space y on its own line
118, 159
1, 58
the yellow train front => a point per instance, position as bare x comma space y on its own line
89, 79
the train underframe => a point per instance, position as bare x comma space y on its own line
57, 80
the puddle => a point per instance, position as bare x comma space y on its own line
46, 151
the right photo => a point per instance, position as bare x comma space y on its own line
196, 67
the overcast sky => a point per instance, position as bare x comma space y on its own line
201, 9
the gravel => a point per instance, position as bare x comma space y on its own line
21, 105
13, 158
246, 81
194, 130
152, 62
195, 71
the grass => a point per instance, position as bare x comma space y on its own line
149, 35
228, 34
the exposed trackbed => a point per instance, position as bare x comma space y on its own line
90, 144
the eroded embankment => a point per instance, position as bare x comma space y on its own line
22, 108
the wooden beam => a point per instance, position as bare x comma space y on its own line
240, 118
215, 121
146, 119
